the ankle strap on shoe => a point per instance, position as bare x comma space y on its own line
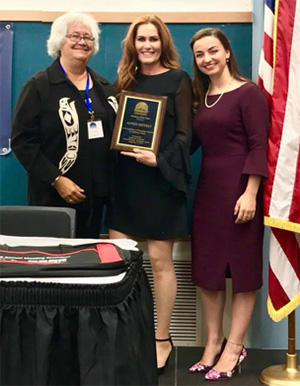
164, 340
235, 343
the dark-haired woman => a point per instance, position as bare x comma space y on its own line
231, 126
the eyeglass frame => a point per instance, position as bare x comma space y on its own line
86, 39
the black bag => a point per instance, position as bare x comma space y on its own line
98, 259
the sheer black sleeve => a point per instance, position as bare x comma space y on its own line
174, 160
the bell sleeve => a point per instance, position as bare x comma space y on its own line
174, 160
255, 117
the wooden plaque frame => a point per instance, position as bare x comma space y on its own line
139, 122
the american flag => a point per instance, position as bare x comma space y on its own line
279, 77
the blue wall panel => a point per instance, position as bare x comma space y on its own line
30, 56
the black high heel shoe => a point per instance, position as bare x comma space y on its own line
160, 370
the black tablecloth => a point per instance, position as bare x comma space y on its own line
78, 334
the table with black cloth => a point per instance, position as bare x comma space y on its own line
64, 322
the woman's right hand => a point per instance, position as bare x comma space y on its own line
145, 157
69, 191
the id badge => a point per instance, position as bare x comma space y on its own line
95, 129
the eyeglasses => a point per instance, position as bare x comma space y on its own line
76, 38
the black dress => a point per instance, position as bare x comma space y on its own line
150, 202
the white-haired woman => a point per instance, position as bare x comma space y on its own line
62, 125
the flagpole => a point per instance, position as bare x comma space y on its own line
289, 373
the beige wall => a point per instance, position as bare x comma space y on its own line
129, 5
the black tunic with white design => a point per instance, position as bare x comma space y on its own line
50, 130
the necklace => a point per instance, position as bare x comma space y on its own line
212, 105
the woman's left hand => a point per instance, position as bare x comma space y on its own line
145, 157
245, 208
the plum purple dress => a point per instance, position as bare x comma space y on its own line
233, 138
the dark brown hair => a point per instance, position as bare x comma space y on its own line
200, 80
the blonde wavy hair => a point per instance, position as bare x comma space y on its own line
129, 62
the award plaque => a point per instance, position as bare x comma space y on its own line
139, 122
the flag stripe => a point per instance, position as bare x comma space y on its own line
281, 193
295, 207
285, 97
266, 75
268, 51
278, 103
288, 242
281, 267
269, 22
275, 287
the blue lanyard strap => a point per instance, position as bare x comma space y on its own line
87, 100
87, 88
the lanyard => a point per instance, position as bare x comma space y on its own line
87, 87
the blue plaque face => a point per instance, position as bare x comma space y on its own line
138, 123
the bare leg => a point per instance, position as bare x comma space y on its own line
242, 308
160, 255
213, 305
117, 235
